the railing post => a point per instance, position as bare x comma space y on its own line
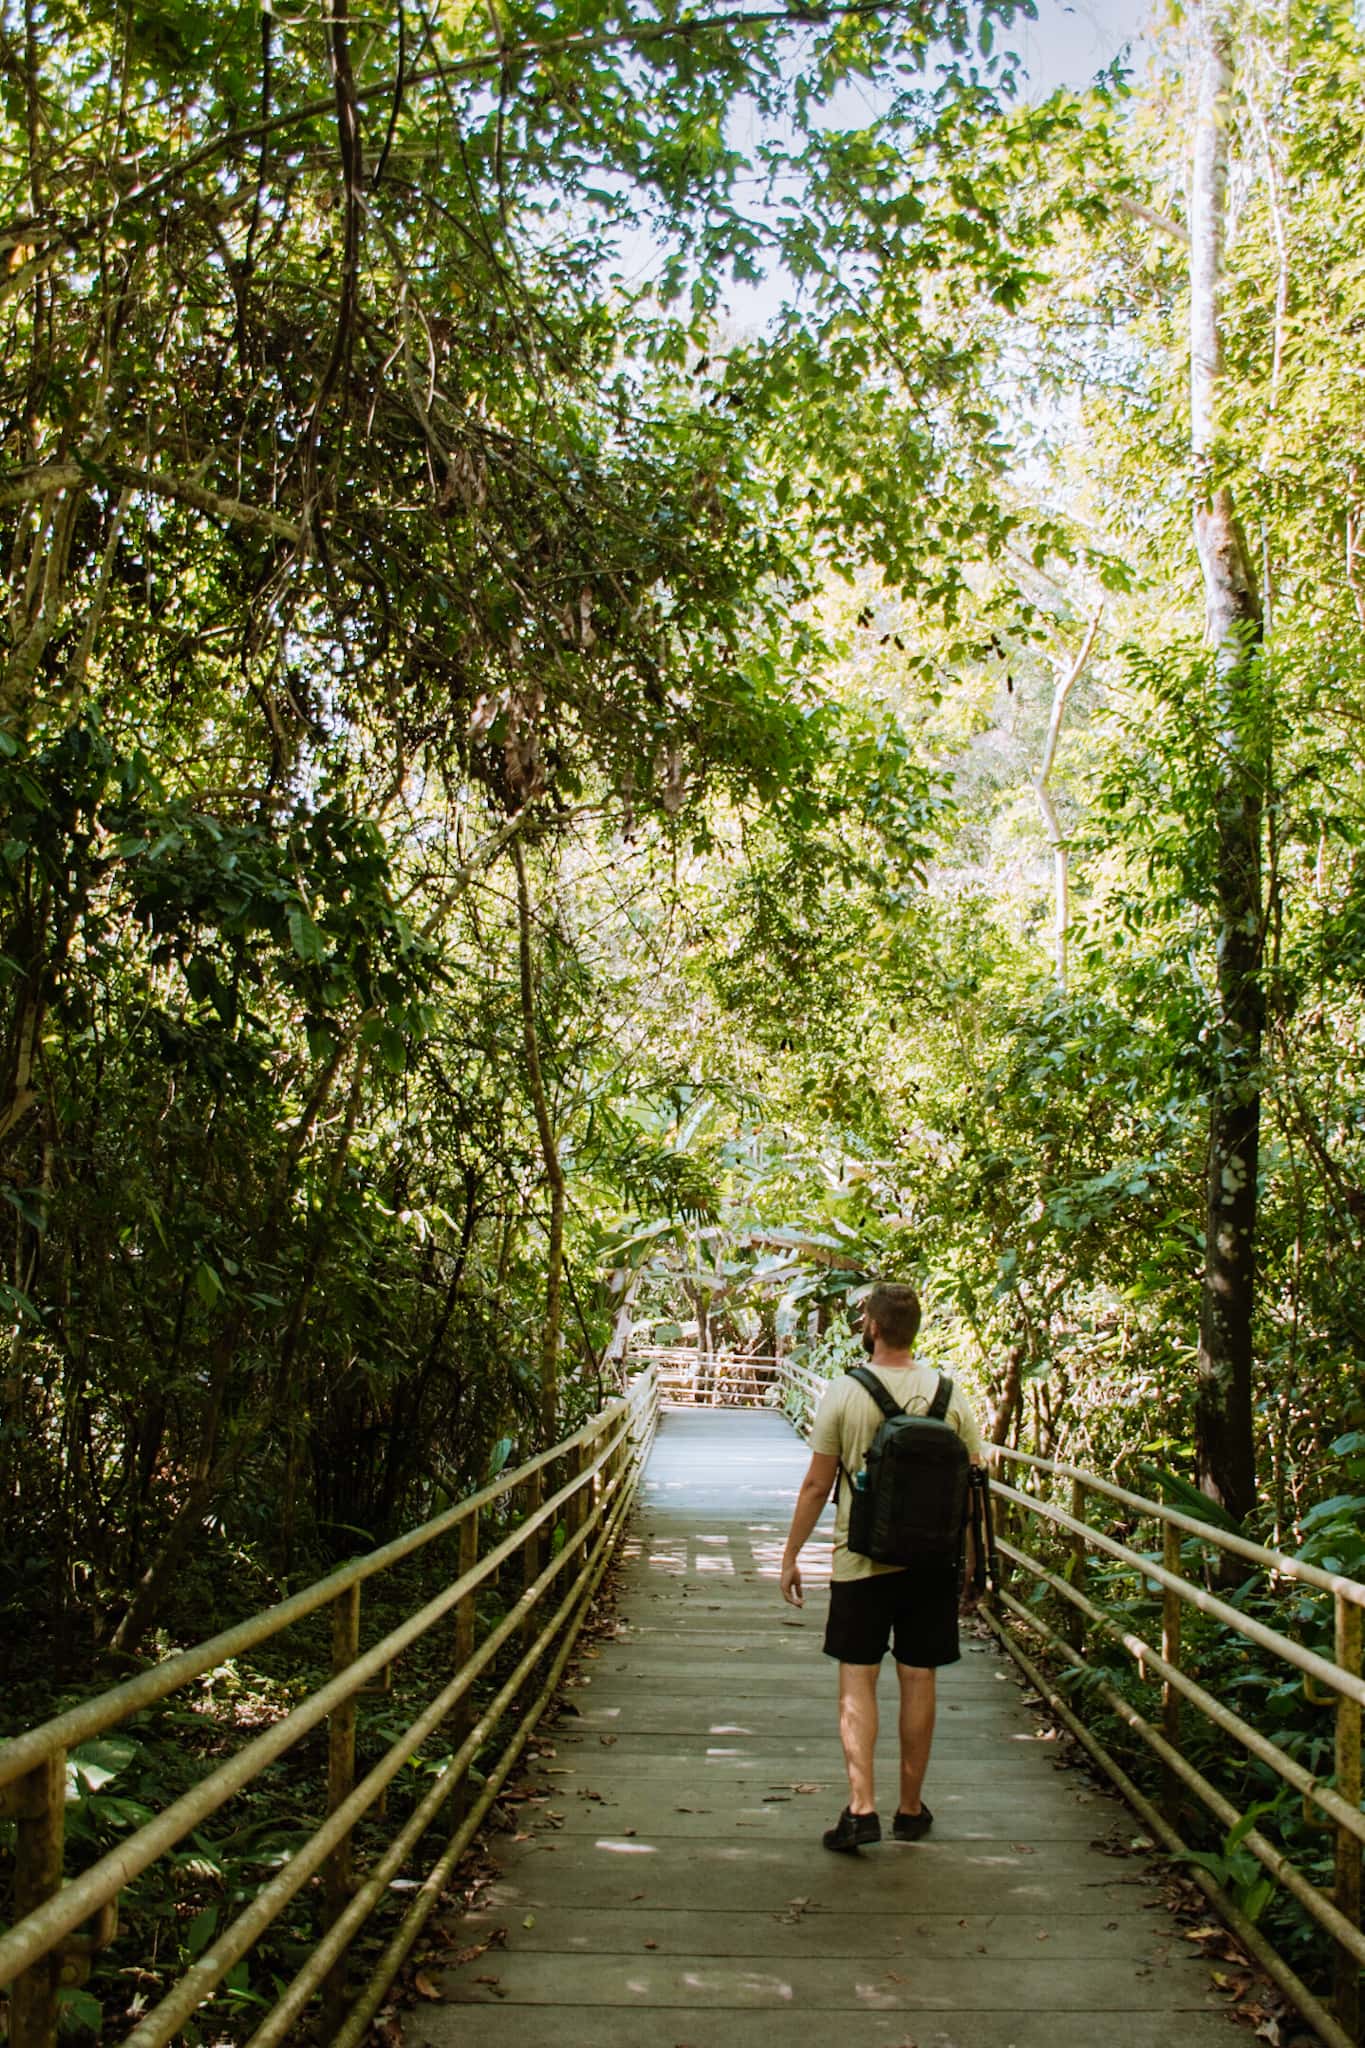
37, 1802
1074, 1624
1172, 1613
575, 1508
338, 1875
534, 1551
1347, 1890
463, 1647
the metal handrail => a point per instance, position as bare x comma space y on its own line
1308, 1661
1276, 1561
96, 1716
1338, 1910
603, 1461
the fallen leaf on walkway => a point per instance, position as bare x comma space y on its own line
1023, 1849
529, 1921
488, 1980
796, 1910
606, 1740
805, 1788
650, 1944
471, 1955
422, 1984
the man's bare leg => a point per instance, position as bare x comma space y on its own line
918, 1700
858, 1732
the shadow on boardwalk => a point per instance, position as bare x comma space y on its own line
671, 1887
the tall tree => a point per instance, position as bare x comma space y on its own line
1223, 1409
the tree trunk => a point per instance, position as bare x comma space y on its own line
1061, 881
554, 1172
1223, 1411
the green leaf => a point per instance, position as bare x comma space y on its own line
307, 940
1179, 1493
96, 1763
199, 1933
78, 2012
208, 1284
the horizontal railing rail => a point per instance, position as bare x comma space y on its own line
563, 1542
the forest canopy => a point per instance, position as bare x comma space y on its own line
529, 792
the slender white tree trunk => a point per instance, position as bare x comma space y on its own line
1223, 1416
1061, 878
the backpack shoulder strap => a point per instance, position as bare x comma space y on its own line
938, 1407
870, 1384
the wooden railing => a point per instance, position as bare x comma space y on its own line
560, 1549
715, 1379
1075, 1536
1334, 1683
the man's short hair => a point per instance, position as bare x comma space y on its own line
894, 1307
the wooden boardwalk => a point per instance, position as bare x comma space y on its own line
670, 1888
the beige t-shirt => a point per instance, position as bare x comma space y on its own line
845, 1424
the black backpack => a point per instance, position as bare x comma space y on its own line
910, 1499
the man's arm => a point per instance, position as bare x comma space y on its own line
810, 1503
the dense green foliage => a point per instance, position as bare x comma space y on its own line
532, 795
522, 794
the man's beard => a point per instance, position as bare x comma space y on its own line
869, 1342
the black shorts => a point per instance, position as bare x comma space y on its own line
914, 1610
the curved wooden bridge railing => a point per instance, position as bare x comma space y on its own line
558, 1553
1070, 1537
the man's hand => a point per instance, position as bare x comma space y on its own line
810, 1502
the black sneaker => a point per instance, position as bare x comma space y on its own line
911, 1827
851, 1830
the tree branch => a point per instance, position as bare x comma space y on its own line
25, 487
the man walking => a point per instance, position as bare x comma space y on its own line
913, 1609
